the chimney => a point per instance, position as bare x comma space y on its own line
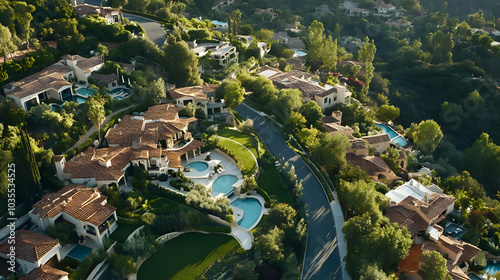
59, 162
73, 3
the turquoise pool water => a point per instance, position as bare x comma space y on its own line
395, 137
79, 252
492, 268
78, 99
224, 184
219, 23
300, 53
199, 166
474, 277
251, 211
85, 92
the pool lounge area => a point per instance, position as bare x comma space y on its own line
396, 138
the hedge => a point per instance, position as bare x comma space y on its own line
122, 221
167, 193
266, 196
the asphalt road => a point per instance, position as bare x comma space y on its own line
153, 29
322, 258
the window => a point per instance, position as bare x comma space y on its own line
326, 100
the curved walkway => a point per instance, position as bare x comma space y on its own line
94, 129
322, 257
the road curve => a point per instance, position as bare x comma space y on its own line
322, 258
153, 29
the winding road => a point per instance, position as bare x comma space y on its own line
322, 258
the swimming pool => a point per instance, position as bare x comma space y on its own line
300, 53
473, 276
491, 268
85, 92
199, 166
224, 184
395, 137
79, 252
78, 99
219, 23
251, 211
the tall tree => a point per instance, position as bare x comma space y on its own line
32, 164
233, 93
427, 136
182, 62
442, 45
6, 44
96, 114
387, 113
434, 266
366, 54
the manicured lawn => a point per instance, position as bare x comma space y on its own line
122, 232
270, 181
187, 256
163, 203
243, 154
245, 140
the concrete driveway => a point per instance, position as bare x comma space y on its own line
322, 258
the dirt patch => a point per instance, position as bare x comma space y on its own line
22, 53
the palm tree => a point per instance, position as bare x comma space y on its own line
96, 113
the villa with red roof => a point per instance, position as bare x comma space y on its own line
154, 141
32, 250
87, 209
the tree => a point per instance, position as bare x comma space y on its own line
309, 137
6, 44
124, 264
477, 20
390, 157
155, 92
103, 51
427, 136
270, 246
482, 160
283, 215
464, 182
285, 102
234, 22
312, 112
366, 54
96, 114
434, 266
264, 35
387, 113
353, 173
233, 93
372, 272
244, 270
246, 126
322, 50
182, 62
462, 30
295, 121
331, 150
442, 45
360, 197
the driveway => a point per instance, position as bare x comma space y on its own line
153, 29
322, 258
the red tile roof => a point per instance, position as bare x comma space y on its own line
411, 263
196, 92
78, 201
44, 272
30, 246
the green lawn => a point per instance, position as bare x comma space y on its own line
270, 181
243, 154
122, 232
163, 203
245, 140
187, 256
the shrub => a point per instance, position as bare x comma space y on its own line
266, 196
163, 177
246, 127
229, 218
163, 192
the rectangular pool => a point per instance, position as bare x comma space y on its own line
79, 252
395, 137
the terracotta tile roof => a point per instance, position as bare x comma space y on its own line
372, 165
412, 201
357, 143
376, 139
57, 158
437, 206
30, 246
85, 9
450, 243
78, 201
407, 218
87, 63
469, 252
174, 158
330, 119
167, 112
196, 92
411, 263
105, 78
334, 127
455, 272
44, 272
300, 75
306, 88
50, 77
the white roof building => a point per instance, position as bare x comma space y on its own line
415, 189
